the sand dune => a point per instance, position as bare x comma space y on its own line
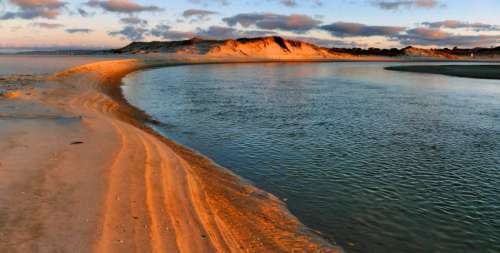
85, 175
270, 47
279, 48
276, 48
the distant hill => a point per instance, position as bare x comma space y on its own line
481, 52
192, 46
394, 52
266, 47
455, 53
280, 48
421, 52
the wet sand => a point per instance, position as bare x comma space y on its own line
80, 172
472, 71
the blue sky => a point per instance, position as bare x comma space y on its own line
341, 23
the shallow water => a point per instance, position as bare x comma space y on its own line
380, 161
42, 64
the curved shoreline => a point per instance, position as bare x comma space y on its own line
179, 200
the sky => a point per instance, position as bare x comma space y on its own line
76, 24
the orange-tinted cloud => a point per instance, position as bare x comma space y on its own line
30, 9
456, 24
122, 6
429, 36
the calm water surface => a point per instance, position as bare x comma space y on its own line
380, 161
42, 64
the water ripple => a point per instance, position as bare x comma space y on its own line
381, 161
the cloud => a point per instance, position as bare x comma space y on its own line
134, 21
47, 25
218, 32
130, 32
456, 24
346, 29
30, 9
33, 4
289, 3
84, 13
399, 4
328, 43
206, 2
30, 14
122, 6
197, 13
429, 37
256, 33
427, 34
270, 21
295, 3
79, 30
166, 32
223, 32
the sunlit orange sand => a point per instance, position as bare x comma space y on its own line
83, 174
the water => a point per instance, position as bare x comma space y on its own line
380, 161
42, 64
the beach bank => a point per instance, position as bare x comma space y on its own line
81, 172
470, 71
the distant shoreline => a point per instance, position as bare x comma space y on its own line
469, 71
275, 46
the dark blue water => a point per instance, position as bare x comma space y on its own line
379, 161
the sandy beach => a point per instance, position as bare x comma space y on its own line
254, 126
80, 172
